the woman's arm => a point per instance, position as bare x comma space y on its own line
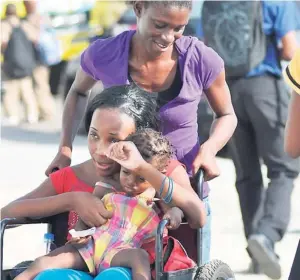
180, 176
44, 202
289, 45
41, 202
222, 128
184, 197
292, 132
73, 112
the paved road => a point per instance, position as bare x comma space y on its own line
26, 152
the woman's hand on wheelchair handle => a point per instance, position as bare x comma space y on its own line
206, 159
61, 160
90, 209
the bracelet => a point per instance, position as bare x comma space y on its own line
168, 197
162, 186
168, 191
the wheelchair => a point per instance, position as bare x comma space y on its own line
58, 225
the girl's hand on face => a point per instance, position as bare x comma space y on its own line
206, 159
91, 209
175, 216
126, 154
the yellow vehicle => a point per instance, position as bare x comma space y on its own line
76, 23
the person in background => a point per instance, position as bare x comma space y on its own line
17, 39
292, 132
260, 100
42, 90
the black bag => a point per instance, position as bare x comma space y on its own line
234, 29
19, 55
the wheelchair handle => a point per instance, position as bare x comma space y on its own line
7, 223
199, 183
159, 266
199, 177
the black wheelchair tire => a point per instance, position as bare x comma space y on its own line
19, 268
214, 270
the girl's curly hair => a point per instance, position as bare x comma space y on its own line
152, 145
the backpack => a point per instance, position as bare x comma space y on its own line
234, 29
19, 55
174, 256
48, 47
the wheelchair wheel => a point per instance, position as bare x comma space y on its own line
214, 270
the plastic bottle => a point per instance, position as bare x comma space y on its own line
49, 242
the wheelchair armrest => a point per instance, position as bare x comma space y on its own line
14, 222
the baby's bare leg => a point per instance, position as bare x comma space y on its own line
63, 257
137, 260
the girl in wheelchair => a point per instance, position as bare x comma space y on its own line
143, 156
111, 117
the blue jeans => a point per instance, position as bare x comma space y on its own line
123, 273
206, 232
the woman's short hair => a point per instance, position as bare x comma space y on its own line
131, 100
